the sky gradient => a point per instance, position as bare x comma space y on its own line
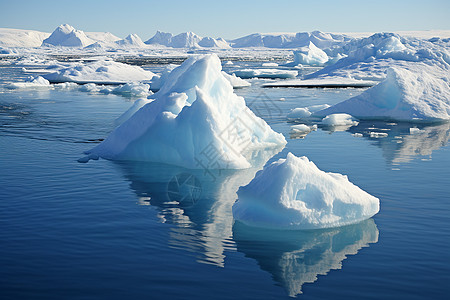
227, 19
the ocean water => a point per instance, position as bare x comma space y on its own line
109, 230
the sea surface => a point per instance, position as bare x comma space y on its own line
127, 230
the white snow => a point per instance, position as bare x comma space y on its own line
66, 35
339, 120
195, 121
102, 71
310, 55
293, 193
403, 95
265, 73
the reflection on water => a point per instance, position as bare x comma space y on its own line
298, 257
402, 142
197, 202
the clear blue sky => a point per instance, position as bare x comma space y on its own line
228, 19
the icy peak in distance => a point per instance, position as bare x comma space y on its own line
195, 120
186, 40
293, 193
132, 40
66, 35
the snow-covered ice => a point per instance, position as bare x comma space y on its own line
102, 71
194, 115
235, 81
293, 193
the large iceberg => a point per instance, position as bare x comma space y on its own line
101, 71
293, 193
195, 121
403, 95
66, 35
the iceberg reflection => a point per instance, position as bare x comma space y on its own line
298, 257
404, 141
197, 202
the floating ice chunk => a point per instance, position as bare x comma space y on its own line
269, 64
103, 71
339, 120
300, 128
374, 134
310, 55
265, 73
299, 113
229, 63
293, 193
357, 134
31, 82
235, 81
414, 130
194, 116
403, 95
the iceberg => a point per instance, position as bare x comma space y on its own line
195, 121
132, 40
293, 193
339, 120
100, 72
66, 35
404, 95
309, 55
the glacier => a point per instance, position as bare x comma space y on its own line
195, 121
293, 193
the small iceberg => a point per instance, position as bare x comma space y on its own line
293, 193
195, 121
339, 120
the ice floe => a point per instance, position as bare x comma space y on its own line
265, 73
293, 193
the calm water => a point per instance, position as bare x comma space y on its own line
106, 230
